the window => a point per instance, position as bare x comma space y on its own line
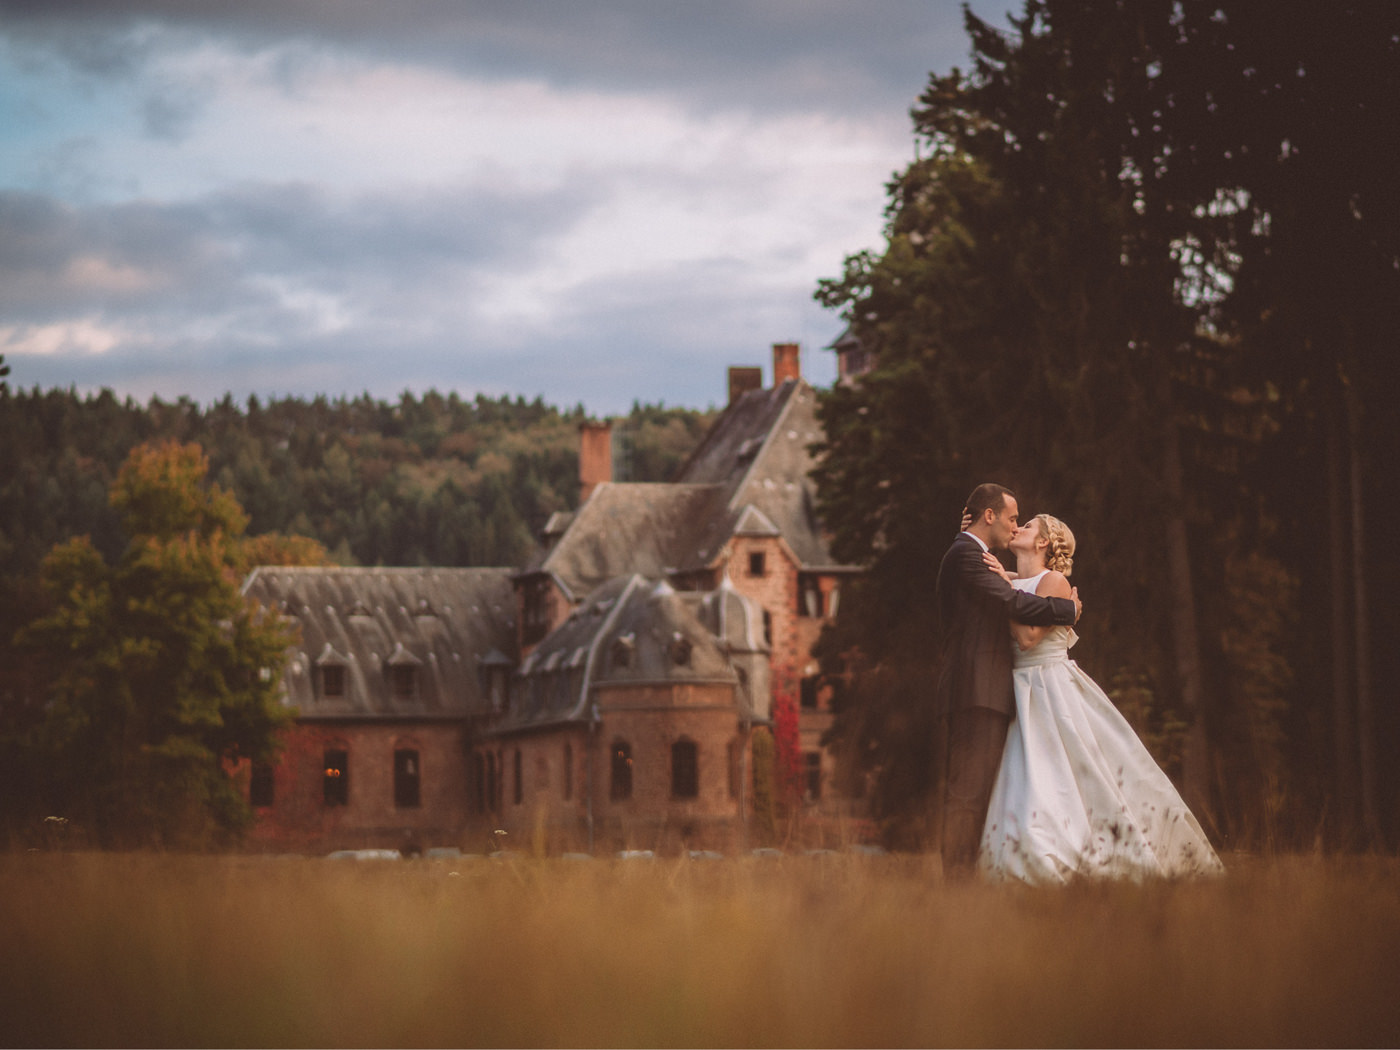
478, 782
403, 680
332, 680
493, 781
808, 690
812, 775
685, 769
260, 784
406, 778
767, 627
736, 766
621, 786
680, 650
335, 778
534, 621
568, 772
517, 792
809, 597
756, 563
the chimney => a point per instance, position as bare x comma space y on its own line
787, 362
594, 456
742, 379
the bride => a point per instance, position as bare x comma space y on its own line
1077, 793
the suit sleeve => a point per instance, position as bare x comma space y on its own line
1021, 606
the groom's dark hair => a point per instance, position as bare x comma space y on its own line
988, 496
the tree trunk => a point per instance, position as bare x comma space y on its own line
1195, 758
1344, 750
1365, 720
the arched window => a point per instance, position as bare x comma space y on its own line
407, 776
335, 777
621, 786
685, 769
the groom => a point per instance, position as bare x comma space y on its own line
975, 610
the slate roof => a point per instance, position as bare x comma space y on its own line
748, 476
632, 630
444, 623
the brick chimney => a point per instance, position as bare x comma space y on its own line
787, 362
594, 456
742, 379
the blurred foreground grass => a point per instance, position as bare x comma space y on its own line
104, 950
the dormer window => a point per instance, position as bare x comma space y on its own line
401, 668
403, 679
330, 673
332, 681
680, 650
623, 650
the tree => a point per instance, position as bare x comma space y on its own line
162, 673
1039, 316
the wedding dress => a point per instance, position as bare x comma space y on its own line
1077, 793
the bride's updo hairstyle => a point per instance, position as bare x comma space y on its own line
1060, 554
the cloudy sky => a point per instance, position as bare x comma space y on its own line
592, 201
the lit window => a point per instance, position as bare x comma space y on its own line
335, 778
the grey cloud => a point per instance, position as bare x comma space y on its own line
832, 55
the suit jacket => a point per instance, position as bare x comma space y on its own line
975, 610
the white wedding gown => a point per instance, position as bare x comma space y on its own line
1078, 794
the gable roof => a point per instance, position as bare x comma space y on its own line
748, 475
443, 623
629, 630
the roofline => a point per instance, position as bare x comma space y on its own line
604, 628
797, 385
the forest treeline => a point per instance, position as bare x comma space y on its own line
430, 480
1145, 269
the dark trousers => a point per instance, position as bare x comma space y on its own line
976, 739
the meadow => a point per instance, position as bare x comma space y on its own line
833, 950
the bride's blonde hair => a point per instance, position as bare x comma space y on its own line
1059, 555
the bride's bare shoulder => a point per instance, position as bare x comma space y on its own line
1053, 585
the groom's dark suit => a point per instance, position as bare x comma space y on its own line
975, 610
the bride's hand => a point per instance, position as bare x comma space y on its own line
996, 566
966, 521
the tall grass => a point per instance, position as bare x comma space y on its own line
102, 950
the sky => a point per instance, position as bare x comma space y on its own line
592, 202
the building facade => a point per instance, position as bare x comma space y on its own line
604, 696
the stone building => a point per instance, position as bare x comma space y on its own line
603, 696
395, 671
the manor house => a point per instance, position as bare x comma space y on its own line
604, 696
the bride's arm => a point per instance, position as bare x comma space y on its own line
1052, 585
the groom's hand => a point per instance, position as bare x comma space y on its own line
1078, 606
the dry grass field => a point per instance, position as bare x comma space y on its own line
132, 950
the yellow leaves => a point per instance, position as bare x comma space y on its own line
161, 492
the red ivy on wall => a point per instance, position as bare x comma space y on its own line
789, 746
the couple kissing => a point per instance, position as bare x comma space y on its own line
1045, 781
